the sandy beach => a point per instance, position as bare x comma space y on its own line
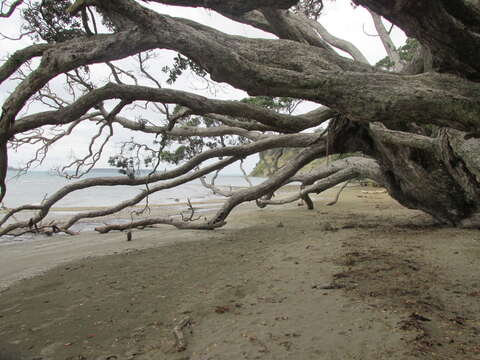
363, 279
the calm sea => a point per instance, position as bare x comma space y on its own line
33, 187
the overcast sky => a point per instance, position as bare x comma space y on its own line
339, 17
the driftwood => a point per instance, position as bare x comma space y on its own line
180, 342
179, 224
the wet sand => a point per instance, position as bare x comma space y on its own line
364, 279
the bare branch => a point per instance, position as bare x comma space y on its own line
270, 185
185, 131
387, 42
19, 58
84, 165
333, 174
403, 138
215, 189
197, 104
341, 44
245, 175
165, 185
294, 140
179, 224
334, 201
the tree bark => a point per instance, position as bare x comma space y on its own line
429, 173
419, 127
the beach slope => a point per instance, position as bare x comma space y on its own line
364, 279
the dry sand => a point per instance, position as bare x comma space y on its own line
364, 279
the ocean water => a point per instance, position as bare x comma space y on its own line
35, 186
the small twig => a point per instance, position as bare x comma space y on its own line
245, 175
215, 189
48, 230
192, 213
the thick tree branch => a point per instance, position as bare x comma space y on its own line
330, 175
20, 57
198, 105
270, 185
290, 26
407, 139
231, 6
387, 42
179, 224
348, 87
341, 44
449, 28
294, 140
186, 131
165, 185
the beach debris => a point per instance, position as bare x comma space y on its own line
181, 342
331, 286
459, 320
40, 229
374, 191
222, 309
272, 300
328, 227
419, 317
280, 225
287, 345
132, 354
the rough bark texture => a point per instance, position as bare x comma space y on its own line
424, 173
418, 125
449, 28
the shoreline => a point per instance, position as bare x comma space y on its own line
363, 279
204, 207
29, 258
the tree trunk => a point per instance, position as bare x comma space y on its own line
442, 180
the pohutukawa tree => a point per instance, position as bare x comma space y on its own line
415, 118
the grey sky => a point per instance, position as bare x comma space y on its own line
339, 18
